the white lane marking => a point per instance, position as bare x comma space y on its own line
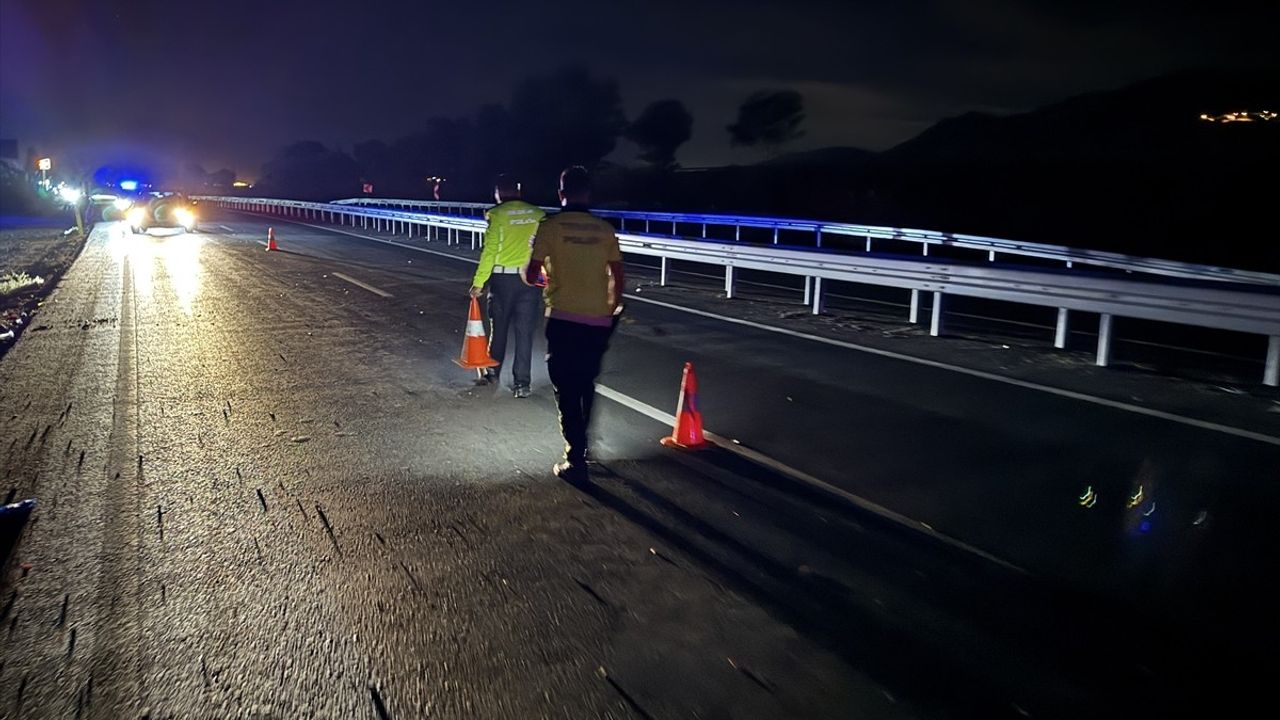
263, 243
224, 227
366, 286
804, 477
1025, 384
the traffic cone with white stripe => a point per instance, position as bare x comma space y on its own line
687, 433
271, 239
475, 346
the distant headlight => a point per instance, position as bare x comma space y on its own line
136, 216
122, 203
186, 217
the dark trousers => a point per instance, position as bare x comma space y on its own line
513, 307
574, 352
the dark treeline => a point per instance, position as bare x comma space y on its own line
1133, 170
567, 117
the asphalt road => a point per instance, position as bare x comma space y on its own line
266, 491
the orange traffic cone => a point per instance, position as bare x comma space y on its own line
475, 347
687, 433
271, 239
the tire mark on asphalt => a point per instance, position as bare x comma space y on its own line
378, 705
750, 675
412, 580
631, 702
591, 591
328, 528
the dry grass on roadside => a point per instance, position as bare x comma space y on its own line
12, 283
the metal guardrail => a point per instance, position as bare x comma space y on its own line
868, 234
1238, 307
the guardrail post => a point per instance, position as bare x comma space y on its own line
808, 290
1104, 340
817, 296
1060, 330
991, 256
935, 321
474, 235
868, 243
704, 231
673, 229
728, 281
1271, 375
925, 245
818, 238
662, 274
737, 233
914, 316
775, 236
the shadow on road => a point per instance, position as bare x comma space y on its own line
934, 625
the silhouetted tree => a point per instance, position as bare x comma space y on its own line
223, 178
374, 159
309, 170
493, 144
193, 177
565, 118
768, 118
662, 127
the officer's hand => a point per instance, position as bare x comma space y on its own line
475, 291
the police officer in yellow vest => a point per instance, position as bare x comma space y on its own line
585, 284
513, 305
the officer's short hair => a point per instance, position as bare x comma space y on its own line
507, 184
575, 181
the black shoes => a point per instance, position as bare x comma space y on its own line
571, 472
521, 391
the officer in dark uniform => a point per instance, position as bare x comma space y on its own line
583, 263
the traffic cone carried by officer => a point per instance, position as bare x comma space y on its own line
687, 433
271, 239
475, 346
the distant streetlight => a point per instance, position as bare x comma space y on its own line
71, 196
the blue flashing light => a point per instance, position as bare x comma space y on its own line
129, 185
1145, 526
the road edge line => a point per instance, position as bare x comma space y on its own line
805, 478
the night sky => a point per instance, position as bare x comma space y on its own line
224, 84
